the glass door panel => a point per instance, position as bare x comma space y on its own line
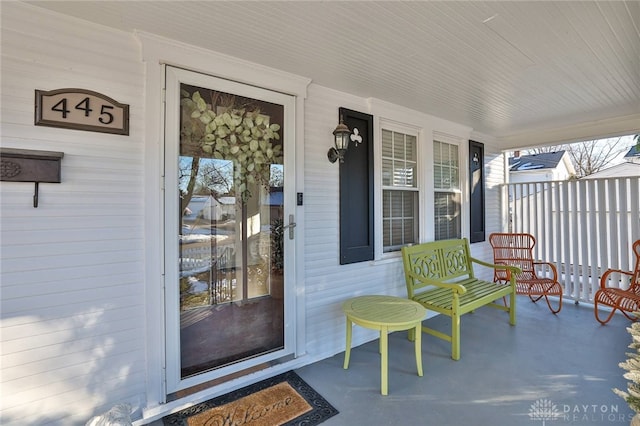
229, 231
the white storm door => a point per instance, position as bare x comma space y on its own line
229, 194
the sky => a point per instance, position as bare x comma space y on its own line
626, 141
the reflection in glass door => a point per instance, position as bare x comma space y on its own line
229, 229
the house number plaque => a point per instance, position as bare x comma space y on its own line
81, 110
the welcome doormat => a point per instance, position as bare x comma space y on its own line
284, 400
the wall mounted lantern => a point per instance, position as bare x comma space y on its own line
341, 141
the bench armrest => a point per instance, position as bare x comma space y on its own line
458, 288
509, 269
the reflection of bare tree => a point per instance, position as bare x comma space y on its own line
215, 178
277, 176
190, 146
205, 177
185, 199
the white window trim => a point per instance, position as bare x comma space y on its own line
415, 189
428, 127
406, 129
463, 176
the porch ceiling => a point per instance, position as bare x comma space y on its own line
525, 72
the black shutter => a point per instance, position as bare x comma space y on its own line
356, 190
476, 190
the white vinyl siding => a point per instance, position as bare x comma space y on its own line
494, 179
327, 283
72, 307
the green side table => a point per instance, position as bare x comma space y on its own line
387, 314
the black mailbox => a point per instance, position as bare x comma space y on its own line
25, 165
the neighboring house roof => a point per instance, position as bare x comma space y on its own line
634, 151
200, 202
546, 160
276, 198
619, 170
227, 200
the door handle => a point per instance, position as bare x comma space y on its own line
291, 225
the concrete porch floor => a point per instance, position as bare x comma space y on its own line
506, 375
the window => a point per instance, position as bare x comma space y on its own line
446, 178
399, 190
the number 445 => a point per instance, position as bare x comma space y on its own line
84, 105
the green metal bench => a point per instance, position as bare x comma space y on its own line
440, 276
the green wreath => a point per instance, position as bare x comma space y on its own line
235, 134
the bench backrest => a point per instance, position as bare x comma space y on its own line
444, 260
515, 249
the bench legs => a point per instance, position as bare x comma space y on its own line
455, 336
512, 309
415, 335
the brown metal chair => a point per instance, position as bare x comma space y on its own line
516, 249
627, 300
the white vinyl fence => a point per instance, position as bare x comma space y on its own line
583, 226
